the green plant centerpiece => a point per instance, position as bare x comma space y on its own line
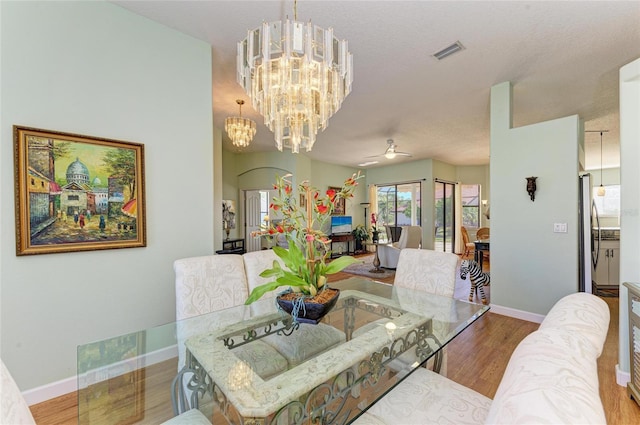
306, 261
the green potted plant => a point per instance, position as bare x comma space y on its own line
306, 260
360, 235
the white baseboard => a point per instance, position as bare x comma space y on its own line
70, 385
517, 314
622, 377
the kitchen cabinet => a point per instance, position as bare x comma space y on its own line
608, 270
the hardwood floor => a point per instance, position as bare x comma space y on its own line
477, 359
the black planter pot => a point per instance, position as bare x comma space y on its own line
310, 312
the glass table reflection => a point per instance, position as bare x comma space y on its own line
387, 332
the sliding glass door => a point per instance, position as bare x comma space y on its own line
444, 217
398, 205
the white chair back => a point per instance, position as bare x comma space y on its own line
209, 283
427, 270
14, 409
410, 237
255, 263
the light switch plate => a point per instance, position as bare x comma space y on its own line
559, 227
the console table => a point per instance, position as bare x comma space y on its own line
232, 246
343, 237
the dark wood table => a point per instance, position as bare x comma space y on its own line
343, 237
481, 246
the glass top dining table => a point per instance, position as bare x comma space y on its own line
370, 341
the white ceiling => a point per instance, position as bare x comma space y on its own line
562, 57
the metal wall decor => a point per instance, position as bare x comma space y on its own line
531, 187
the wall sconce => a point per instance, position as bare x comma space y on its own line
484, 203
531, 187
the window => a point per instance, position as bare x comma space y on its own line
471, 205
264, 205
399, 205
609, 204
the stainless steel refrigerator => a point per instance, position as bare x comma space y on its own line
589, 235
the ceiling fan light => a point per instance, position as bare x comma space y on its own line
390, 155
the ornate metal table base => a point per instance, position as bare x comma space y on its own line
333, 402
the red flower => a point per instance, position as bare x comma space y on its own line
331, 193
322, 209
279, 229
288, 189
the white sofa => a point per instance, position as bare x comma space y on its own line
551, 378
13, 407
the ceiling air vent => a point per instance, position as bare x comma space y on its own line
448, 51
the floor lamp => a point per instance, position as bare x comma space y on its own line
365, 205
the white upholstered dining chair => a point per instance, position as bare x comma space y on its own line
427, 270
211, 283
410, 237
431, 272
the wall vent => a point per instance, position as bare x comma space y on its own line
448, 51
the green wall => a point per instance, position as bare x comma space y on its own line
531, 266
94, 68
255, 171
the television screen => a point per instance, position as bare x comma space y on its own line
341, 224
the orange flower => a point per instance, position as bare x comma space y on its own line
331, 193
322, 209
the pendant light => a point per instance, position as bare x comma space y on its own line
601, 190
240, 130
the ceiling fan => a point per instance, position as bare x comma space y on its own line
391, 151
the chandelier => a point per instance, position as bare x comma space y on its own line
296, 75
240, 130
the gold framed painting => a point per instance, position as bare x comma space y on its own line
77, 193
340, 208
